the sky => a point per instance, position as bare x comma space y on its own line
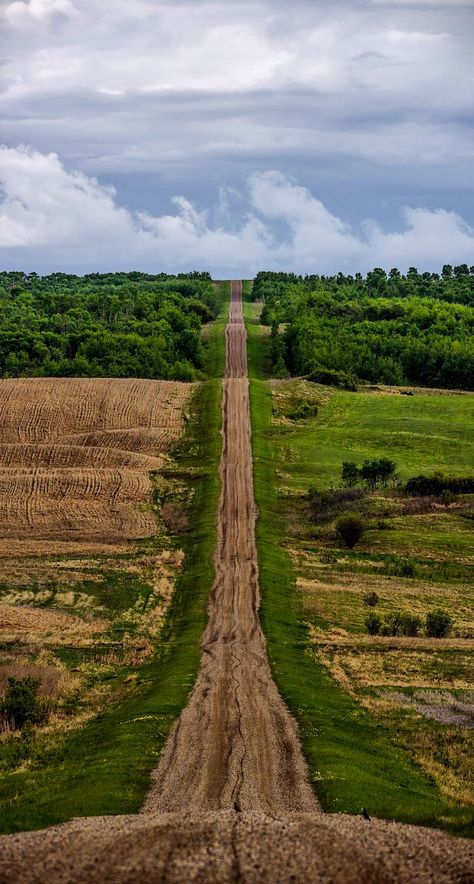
313, 136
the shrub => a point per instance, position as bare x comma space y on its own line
350, 474
438, 623
400, 623
279, 369
332, 378
446, 497
426, 486
372, 473
378, 472
350, 528
326, 504
411, 624
373, 624
392, 624
371, 599
21, 704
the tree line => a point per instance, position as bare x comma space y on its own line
104, 325
384, 328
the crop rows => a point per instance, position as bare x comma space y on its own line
75, 456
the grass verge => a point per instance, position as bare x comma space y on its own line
104, 767
354, 760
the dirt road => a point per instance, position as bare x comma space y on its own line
235, 743
230, 800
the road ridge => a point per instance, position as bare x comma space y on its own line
235, 745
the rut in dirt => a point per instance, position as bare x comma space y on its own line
235, 746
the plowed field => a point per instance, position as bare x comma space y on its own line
75, 455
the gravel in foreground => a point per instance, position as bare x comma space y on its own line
233, 847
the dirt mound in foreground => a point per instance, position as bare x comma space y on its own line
231, 847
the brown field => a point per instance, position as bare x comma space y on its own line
76, 497
75, 455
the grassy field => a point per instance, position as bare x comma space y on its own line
101, 765
356, 426
364, 704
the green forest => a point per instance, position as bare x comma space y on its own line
382, 328
104, 325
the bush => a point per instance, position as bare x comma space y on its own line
332, 378
373, 624
438, 623
303, 410
371, 599
326, 504
433, 486
411, 624
350, 528
399, 623
350, 474
21, 704
446, 497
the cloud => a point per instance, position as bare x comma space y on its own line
52, 218
193, 95
21, 13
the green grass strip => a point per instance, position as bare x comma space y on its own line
104, 767
353, 759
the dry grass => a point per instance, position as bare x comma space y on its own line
44, 625
376, 667
14, 548
447, 755
55, 682
338, 598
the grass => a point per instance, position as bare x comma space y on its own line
356, 426
104, 767
357, 759
443, 535
333, 599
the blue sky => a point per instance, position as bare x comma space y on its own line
311, 136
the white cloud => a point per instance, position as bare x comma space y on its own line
25, 12
202, 91
55, 219
154, 47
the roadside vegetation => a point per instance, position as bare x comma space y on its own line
370, 640
105, 325
89, 699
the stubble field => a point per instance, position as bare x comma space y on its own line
87, 560
75, 457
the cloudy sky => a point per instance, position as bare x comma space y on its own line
316, 135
